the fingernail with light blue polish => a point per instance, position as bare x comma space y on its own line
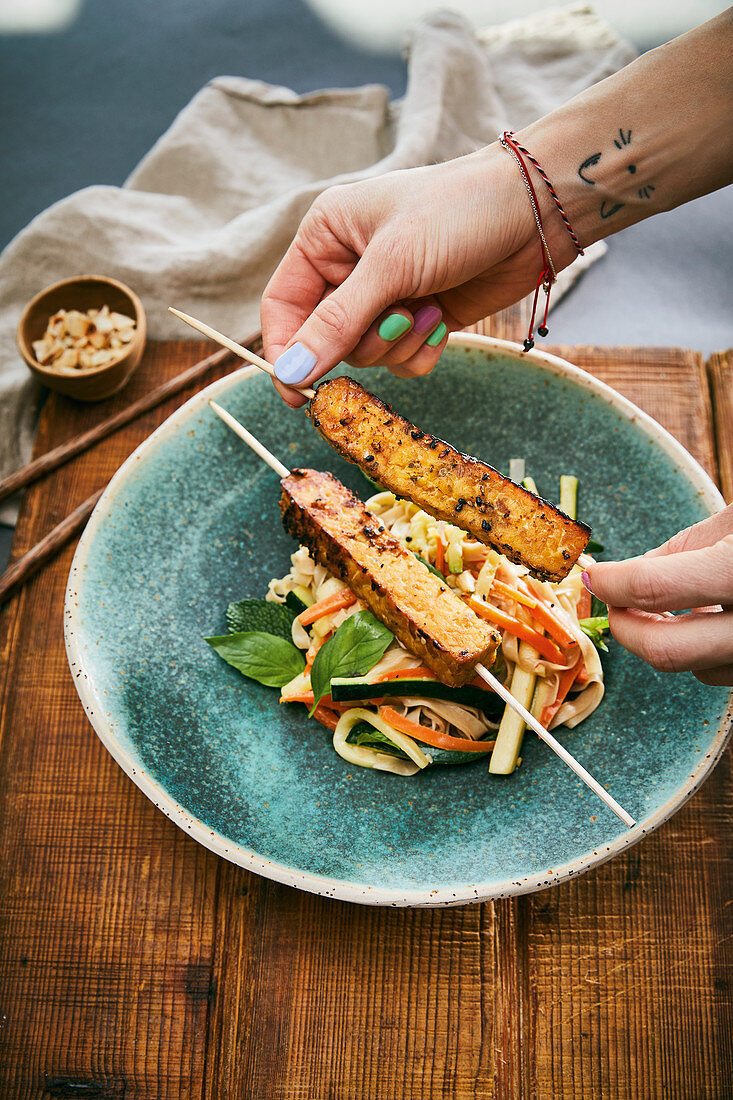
295, 364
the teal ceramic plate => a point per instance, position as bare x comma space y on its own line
191, 522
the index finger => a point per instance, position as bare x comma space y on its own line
293, 292
671, 582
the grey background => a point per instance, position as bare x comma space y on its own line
83, 105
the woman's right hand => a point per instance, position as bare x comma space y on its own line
382, 270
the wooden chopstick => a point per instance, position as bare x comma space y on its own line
61, 454
26, 566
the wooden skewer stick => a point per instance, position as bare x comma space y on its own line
26, 566
484, 673
238, 349
250, 440
65, 451
555, 745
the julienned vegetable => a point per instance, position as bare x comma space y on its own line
511, 730
543, 697
336, 602
521, 630
367, 757
431, 737
365, 733
359, 689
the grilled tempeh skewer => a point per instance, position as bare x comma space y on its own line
449, 485
420, 609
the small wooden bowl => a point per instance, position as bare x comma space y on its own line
83, 292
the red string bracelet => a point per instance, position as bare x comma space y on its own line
511, 138
548, 274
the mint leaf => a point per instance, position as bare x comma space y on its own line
263, 657
262, 616
593, 547
595, 628
356, 647
429, 566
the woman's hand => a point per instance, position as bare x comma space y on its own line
692, 571
382, 270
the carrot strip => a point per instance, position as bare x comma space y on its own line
565, 682
311, 653
327, 717
419, 673
326, 700
583, 611
439, 555
544, 616
510, 593
543, 645
432, 737
327, 606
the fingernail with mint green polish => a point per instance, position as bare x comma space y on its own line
295, 364
435, 337
394, 326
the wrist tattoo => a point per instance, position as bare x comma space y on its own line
609, 207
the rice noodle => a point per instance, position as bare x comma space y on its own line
481, 566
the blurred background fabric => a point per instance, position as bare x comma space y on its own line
88, 86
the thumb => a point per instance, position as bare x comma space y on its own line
336, 325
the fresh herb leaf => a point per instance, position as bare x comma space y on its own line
364, 734
356, 647
594, 547
595, 628
598, 608
270, 660
262, 616
429, 566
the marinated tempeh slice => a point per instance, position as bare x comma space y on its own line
422, 612
447, 484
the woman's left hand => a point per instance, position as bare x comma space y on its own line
692, 571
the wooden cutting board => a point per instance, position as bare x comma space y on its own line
136, 964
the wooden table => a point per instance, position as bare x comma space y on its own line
134, 963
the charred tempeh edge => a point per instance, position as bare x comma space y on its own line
447, 484
422, 612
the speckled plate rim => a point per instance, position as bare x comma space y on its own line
363, 893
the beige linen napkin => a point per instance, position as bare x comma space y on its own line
205, 217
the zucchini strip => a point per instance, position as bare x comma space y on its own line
511, 730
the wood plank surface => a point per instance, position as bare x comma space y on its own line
136, 964
720, 376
